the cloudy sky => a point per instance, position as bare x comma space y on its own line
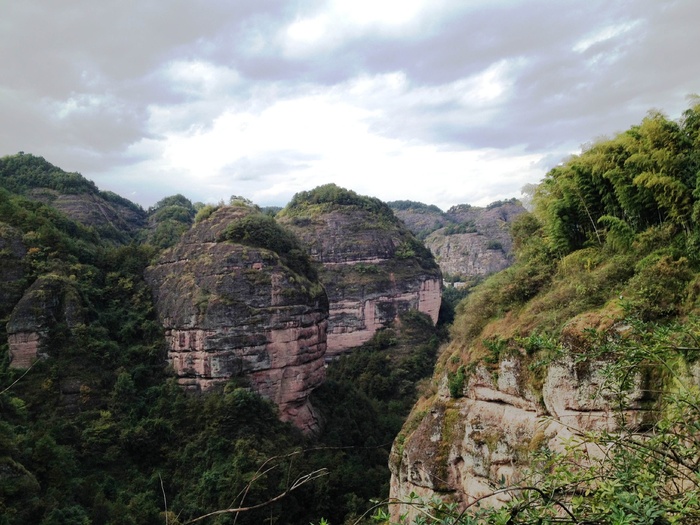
439, 101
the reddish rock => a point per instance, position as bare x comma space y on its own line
235, 310
372, 266
51, 300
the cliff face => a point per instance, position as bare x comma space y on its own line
467, 241
461, 448
373, 268
235, 310
12, 267
49, 304
113, 220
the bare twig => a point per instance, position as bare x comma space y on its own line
165, 500
19, 378
302, 480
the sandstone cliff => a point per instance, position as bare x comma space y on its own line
373, 268
464, 444
231, 309
51, 304
467, 241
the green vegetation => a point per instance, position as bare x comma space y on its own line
414, 206
329, 196
23, 172
648, 473
607, 272
100, 433
263, 231
366, 398
499, 203
455, 229
168, 219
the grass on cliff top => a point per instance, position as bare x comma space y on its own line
545, 296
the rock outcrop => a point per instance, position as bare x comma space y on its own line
462, 448
467, 241
231, 309
373, 268
51, 303
115, 219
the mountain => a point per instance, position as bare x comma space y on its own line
113, 217
372, 266
569, 389
468, 242
159, 365
234, 302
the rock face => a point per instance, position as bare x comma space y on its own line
373, 268
461, 448
50, 303
235, 310
117, 219
467, 241
12, 267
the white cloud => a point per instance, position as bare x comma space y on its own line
335, 135
379, 12
199, 78
343, 20
604, 34
394, 98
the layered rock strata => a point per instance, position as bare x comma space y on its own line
372, 267
111, 218
462, 448
478, 243
467, 241
234, 310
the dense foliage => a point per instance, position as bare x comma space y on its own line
330, 196
262, 231
414, 206
168, 219
608, 270
22, 172
100, 433
644, 177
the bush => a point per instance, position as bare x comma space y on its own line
262, 231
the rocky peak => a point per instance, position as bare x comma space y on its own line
467, 241
237, 309
113, 217
372, 266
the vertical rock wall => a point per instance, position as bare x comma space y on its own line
462, 449
232, 310
373, 268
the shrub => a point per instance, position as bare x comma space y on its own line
262, 231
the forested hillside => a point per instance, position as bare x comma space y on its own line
569, 392
570, 389
94, 427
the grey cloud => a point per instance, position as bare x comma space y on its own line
265, 167
119, 51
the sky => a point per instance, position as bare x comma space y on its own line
439, 101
